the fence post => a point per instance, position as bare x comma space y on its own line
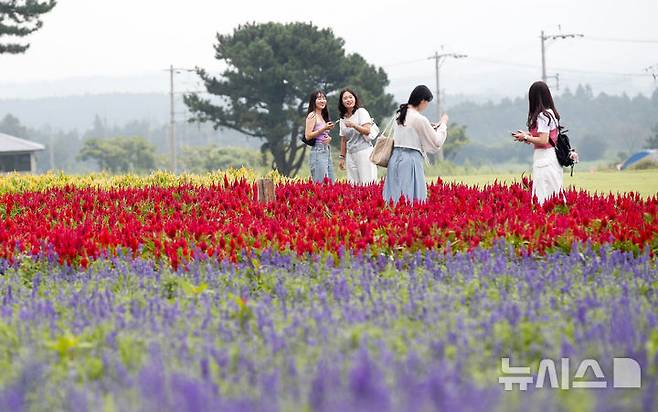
265, 190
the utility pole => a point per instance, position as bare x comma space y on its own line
51, 151
172, 120
653, 71
438, 61
544, 40
172, 114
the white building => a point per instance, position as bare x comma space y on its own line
18, 155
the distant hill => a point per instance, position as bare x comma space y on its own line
78, 112
600, 126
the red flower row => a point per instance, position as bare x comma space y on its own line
224, 220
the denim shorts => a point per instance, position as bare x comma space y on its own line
320, 162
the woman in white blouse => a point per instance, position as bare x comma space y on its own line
414, 137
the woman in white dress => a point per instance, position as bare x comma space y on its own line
543, 118
355, 142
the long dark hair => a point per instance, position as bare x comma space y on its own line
311, 104
539, 101
341, 107
419, 94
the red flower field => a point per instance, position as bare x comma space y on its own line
225, 220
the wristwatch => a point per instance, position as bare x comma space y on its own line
525, 137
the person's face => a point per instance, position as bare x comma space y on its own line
423, 105
320, 101
349, 100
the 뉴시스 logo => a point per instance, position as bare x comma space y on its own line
626, 374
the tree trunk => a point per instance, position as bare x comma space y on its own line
287, 157
279, 154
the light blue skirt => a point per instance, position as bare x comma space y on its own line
405, 176
320, 163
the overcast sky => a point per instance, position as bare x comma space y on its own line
94, 46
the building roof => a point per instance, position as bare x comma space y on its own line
637, 157
11, 144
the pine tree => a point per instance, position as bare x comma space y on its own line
19, 18
272, 69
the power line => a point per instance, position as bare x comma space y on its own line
505, 63
563, 69
620, 74
616, 40
402, 63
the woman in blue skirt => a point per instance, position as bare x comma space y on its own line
414, 137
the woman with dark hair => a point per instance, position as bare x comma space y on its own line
317, 126
542, 123
355, 146
414, 137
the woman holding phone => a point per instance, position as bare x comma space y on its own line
355, 145
542, 123
414, 137
317, 127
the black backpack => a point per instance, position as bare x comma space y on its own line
307, 142
563, 148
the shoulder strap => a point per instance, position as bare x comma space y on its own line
557, 122
389, 127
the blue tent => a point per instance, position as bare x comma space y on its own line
639, 156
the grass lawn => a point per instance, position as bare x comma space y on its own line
644, 182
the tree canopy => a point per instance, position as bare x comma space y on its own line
19, 18
652, 141
203, 159
120, 154
271, 70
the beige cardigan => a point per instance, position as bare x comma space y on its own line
417, 133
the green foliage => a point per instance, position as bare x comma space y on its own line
368, 82
12, 126
456, 140
193, 291
132, 351
19, 19
67, 345
272, 69
591, 147
652, 141
210, 158
243, 312
120, 154
619, 122
645, 164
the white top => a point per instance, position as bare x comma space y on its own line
355, 141
417, 133
543, 125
